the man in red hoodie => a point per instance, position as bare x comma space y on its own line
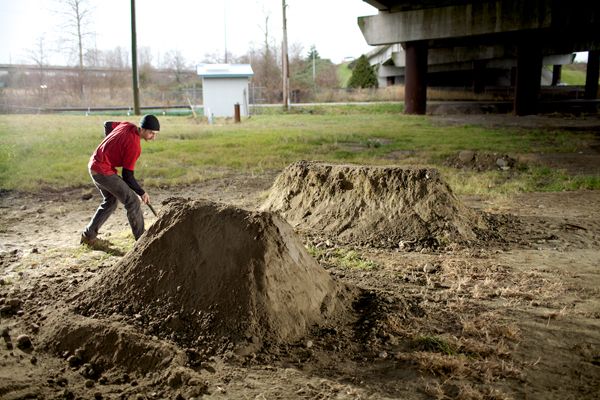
120, 148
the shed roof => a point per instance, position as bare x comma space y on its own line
225, 70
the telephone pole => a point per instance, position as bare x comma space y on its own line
284, 50
134, 69
225, 29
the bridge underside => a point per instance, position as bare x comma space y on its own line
481, 33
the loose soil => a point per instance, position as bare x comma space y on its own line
213, 276
222, 300
377, 206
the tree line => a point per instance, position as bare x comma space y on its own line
100, 77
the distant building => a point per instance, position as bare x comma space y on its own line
224, 85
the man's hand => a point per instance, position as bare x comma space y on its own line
145, 198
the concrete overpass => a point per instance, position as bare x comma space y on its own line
479, 67
483, 32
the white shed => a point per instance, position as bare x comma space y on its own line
224, 85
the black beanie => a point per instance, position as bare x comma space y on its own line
150, 122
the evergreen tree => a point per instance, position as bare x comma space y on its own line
363, 75
313, 53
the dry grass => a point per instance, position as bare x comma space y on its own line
463, 332
37, 99
340, 257
458, 94
493, 281
461, 390
461, 366
396, 93
390, 93
437, 364
487, 325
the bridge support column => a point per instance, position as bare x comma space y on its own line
591, 75
415, 83
529, 76
556, 73
478, 76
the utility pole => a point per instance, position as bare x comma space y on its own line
225, 28
134, 69
314, 51
286, 74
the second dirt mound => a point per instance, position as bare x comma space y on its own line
379, 206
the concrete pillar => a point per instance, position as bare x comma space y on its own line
529, 76
415, 83
513, 77
478, 76
591, 75
556, 73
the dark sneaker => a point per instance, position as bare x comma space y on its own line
100, 244
87, 241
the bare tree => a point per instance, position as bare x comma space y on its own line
145, 68
310, 74
267, 74
176, 61
212, 58
116, 58
39, 57
145, 57
77, 15
92, 55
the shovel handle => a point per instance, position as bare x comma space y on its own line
152, 209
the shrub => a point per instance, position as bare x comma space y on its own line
363, 75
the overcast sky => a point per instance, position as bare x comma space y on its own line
194, 27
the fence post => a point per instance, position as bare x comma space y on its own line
236, 112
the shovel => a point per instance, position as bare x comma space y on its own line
152, 209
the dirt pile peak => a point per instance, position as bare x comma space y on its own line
379, 206
211, 274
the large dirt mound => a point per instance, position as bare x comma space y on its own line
378, 206
214, 275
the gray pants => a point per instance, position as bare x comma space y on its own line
114, 188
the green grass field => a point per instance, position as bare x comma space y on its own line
573, 74
40, 152
344, 74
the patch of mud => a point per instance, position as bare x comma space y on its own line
481, 161
218, 278
376, 206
